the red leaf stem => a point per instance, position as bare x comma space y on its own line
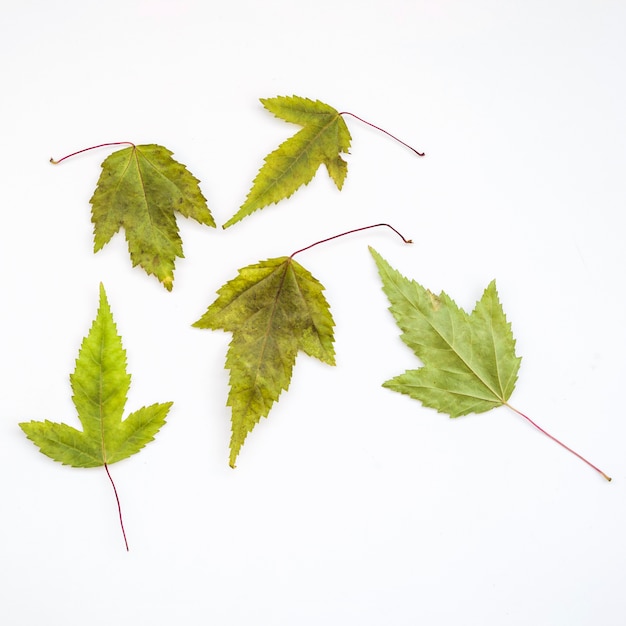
349, 232
119, 507
382, 130
582, 458
101, 145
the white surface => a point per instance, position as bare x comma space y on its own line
350, 504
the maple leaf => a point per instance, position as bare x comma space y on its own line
139, 189
99, 384
323, 138
273, 309
469, 360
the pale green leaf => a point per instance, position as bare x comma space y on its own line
469, 361
140, 189
323, 138
273, 309
100, 384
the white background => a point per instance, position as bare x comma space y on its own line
351, 504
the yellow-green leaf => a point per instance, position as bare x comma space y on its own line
140, 189
100, 384
469, 361
273, 309
323, 138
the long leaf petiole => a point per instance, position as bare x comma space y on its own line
547, 434
382, 130
101, 145
349, 232
119, 506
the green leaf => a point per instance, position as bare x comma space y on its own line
469, 360
323, 138
273, 309
100, 384
140, 188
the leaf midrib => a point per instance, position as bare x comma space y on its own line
100, 404
145, 195
266, 335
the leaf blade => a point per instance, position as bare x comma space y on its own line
140, 188
469, 361
137, 430
100, 384
63, 443
294, 163
274, 309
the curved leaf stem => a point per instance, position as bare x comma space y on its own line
547, 434
119, 506
382, 130
349, 232
101, 145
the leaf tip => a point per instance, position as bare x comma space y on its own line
376, 256
234, 453
103, 303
